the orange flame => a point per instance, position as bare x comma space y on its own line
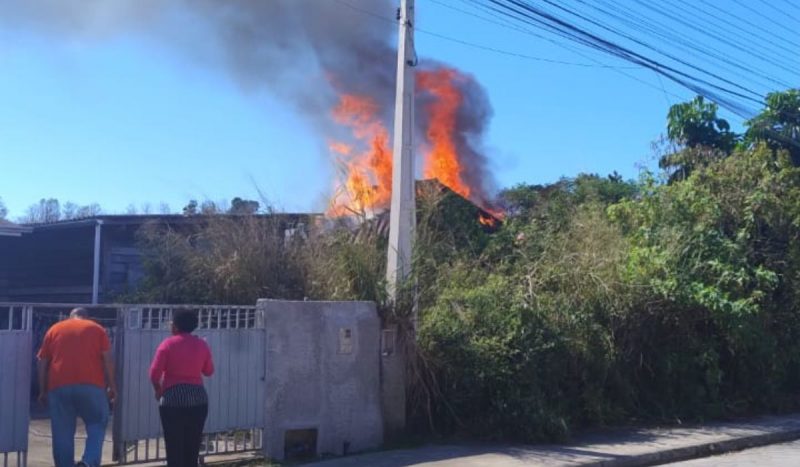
442, 161
488, 221
367, 159
369, 172
341, 148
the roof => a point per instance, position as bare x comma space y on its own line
140, 219
433, 185
9, 229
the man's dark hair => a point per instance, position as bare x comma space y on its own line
184, 320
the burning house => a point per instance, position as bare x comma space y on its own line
334, 67
452, 117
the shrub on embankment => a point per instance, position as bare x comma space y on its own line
601, 302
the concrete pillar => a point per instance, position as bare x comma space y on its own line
96, 263
402, 218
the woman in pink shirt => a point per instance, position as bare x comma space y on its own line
177, 375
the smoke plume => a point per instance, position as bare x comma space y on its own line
310, 52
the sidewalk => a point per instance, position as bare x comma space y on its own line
40, 443
629, 447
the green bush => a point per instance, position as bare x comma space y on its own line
667, 302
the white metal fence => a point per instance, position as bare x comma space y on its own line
15, 383
237, 397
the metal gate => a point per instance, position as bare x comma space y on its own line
15, 383
236, 391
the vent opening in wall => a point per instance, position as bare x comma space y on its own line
300, 444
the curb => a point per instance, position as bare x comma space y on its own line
698, 451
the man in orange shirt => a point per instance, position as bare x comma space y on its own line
76, 378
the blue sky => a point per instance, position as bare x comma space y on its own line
121, 122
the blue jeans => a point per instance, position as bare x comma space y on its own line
67, 403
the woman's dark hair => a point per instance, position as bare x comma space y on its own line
184, 320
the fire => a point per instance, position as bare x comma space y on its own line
488, 221
442, 160
368, 181
367, 159
341, 148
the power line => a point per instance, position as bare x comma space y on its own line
476, 45
505, 23
521, 10
660, 51
511, 54
597, 64
648, 26
368, 12
593, 40
764, 54
716, 17
616, 69
791, 4
745, 21
663, 89
521, 15
525, 12
759, 13
780, 10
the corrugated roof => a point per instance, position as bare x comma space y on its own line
10, 229
139, 219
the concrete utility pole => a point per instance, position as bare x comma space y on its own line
402, 220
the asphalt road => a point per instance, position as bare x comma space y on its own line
780, 455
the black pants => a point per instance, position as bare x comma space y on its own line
183, 431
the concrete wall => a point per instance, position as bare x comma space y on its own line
323, 373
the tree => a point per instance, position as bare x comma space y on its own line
50, 210
537, 201
779, 123
704, 137
695, 123
45, 211
71, 211
3, 209
190, 209
243, 206
210, 208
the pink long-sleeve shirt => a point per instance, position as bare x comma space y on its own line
181, 359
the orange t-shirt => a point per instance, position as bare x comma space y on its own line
75, 349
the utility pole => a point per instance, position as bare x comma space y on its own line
402, 220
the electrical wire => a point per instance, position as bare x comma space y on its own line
780, 10
762, 15
743, 45
508, 25
524, 17
525, 12
476, 45
647, 26
658, 50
